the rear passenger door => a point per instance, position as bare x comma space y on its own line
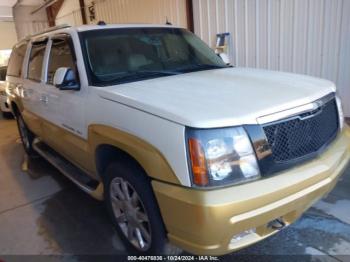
14, 77
33, 86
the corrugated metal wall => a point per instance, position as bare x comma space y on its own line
126, 11
69, 13
302, 36
136, 11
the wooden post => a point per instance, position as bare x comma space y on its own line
82, 10
189, 14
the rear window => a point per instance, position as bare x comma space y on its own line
36, 59
16, 60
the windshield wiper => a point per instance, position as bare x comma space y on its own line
160, 72
199, 67
135, 75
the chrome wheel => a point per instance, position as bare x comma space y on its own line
23, 132
130, 214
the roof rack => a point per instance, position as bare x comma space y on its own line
50, 29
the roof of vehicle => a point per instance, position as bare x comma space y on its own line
83, 28
112, 26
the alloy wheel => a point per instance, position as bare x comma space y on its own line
130, 214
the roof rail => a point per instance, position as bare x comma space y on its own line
50, 29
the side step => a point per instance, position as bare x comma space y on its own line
79, 177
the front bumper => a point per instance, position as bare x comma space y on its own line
204, 221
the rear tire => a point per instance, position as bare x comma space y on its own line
7, 115
134, 211
27, 137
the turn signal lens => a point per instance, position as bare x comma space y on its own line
199, 168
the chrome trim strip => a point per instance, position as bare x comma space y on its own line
294, 112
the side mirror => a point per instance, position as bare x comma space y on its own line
65, 79
224, 58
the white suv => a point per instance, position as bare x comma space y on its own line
4, 103
183, 148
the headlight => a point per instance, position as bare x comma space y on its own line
340, 112
221, 157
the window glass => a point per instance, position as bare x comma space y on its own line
60, 56
3, 73
131, 54
16, 60
36, 61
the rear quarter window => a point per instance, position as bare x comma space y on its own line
16, 60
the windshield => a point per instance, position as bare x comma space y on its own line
131, 54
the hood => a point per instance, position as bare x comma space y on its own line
219, 98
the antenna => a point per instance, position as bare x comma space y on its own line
167, 22
101, 23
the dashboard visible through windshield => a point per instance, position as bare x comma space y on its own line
115, 56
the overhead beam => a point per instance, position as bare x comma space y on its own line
82, 10
52, 12
44, 5
189, 15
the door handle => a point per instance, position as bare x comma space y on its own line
44, 99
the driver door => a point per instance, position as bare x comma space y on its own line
65, 116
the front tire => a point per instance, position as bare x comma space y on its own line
134, 210
27, 137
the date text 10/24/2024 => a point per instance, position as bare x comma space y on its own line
172, 258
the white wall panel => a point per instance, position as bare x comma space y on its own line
7, 29
343, 74
302, 36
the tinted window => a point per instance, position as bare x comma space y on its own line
36, 61
3, 73
16, 60
123, 55
60, 56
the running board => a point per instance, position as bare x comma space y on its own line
79, 177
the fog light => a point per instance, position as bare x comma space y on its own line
241, 236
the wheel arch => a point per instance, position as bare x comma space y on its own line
108, 143
105, 154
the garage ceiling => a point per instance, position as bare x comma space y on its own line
11, 3
6, 7
31, 2
8, 3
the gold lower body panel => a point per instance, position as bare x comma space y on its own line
205, 221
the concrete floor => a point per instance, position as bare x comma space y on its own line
43, 213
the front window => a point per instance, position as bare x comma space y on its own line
130, 54
61, 55
36, 60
